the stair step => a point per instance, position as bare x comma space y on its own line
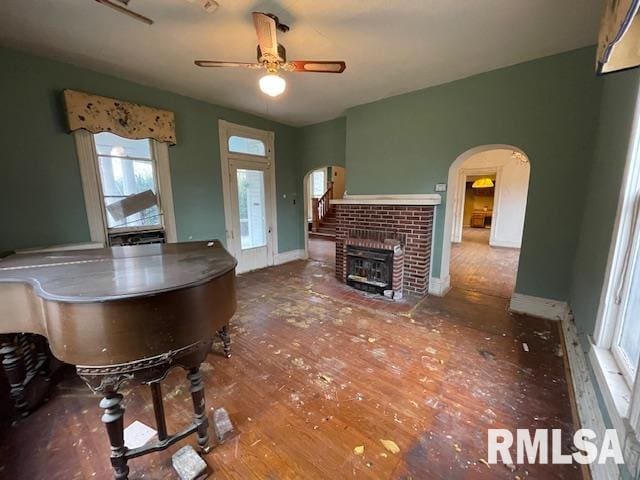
325, 236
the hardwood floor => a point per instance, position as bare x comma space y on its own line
322, 250
478, 267
318, 369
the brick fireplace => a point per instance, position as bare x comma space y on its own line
400, 225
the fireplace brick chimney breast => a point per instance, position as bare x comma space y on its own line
413, 222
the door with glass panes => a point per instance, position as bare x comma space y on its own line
247, 167
252, 230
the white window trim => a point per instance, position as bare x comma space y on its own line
622, 400
87, 158
225, 130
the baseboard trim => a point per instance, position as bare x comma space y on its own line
589, 413
505, 244
539, 307
439, 287
290, 256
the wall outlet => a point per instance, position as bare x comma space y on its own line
441, 187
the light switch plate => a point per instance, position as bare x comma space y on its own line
441, 187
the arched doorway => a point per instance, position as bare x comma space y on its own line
321, 185
484, 220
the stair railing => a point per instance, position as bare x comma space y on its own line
320, 207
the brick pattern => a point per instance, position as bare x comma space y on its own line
414, 221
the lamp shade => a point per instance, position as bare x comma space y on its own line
272, 84
483, 183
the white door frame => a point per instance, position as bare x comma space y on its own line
461, 192
306, 193
227, 129
451, 205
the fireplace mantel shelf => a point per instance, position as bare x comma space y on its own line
415, 199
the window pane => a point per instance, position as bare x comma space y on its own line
317, 183
110, 144
122, 177
251, 204
629, 341
249, 146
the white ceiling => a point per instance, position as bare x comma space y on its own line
390, 46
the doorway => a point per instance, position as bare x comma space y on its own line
488, 212
322, 185
247, 159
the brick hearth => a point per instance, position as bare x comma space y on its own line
413, 222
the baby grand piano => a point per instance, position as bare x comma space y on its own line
121, 314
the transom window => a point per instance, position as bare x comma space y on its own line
248, 146
128, 182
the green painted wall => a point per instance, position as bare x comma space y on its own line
547, 107
322, 144
603, 190
41, 200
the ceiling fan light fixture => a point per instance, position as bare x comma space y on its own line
272, 84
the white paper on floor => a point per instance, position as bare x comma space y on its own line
137, 434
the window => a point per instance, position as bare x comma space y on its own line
626, 348
251, 206
248, 146
318, 183
126, 185
615, 352
128, 182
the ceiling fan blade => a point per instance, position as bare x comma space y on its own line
214, 63
266, 31
316, 66
119, 8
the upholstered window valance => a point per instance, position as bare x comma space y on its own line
619, 39
101, 114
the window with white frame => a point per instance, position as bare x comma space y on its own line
626, 339
318, 183
615, 353
127, 185
618, 329
127, 171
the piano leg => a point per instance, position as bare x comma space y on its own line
43, 356
114, 422
197, 395
158, 410
223, 333
14, 368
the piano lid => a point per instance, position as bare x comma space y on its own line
118, 272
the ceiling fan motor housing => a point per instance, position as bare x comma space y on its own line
282, 53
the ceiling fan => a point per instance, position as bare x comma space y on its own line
272, 57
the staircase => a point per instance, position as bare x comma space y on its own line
327, 226
324, 216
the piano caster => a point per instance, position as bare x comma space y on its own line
223, 333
